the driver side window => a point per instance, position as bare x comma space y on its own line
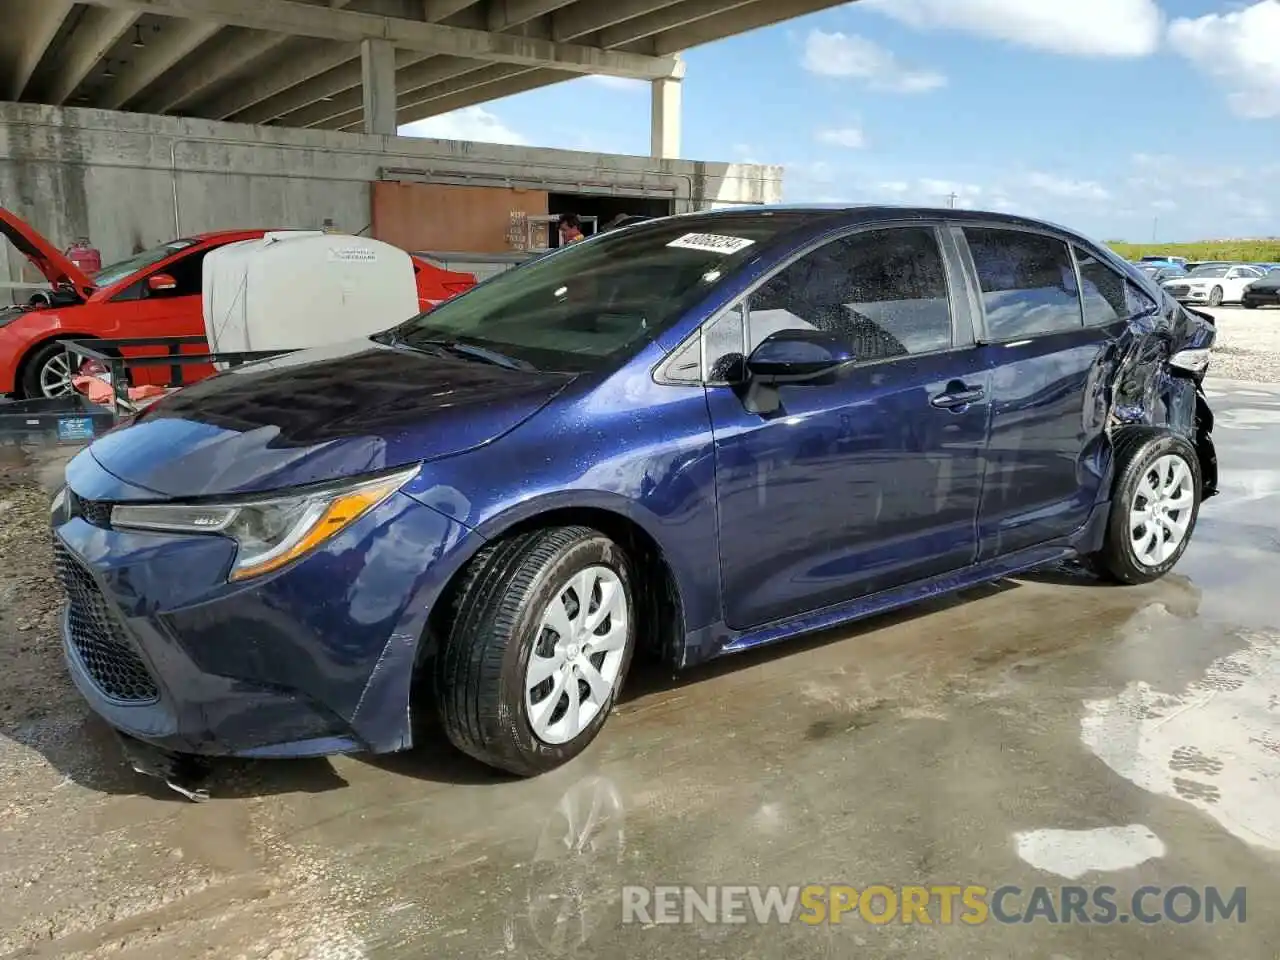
884, 292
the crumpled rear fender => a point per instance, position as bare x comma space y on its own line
1143, 388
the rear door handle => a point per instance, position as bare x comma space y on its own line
959, 396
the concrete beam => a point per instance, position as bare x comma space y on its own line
42, 20
97, 32
410, 80
290, 16
300, 60
752, 16
506, 87
176, 41
505, 14
378, 84
481, 77
433, 11
664, 131
347, 76
230, 51
585, 18
672, 17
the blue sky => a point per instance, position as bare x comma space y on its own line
1113, 116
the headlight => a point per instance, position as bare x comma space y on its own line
270, 532
1193, 361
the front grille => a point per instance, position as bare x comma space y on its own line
96, 512
1179, 290
98, 635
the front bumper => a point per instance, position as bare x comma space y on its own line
1268, 298
315, 660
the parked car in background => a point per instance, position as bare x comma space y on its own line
1213, 285
1159, 272
1264, 292
156, 293
691, 437
1178, 261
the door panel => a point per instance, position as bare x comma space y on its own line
857, 487
1043, 361
139, 311
860, 483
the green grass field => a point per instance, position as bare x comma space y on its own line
1250, 251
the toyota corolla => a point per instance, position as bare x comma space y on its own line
686, 437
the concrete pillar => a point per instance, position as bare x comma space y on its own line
665, 130
378, 82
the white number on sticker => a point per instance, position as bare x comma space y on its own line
711, 243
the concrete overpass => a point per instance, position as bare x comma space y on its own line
355, 65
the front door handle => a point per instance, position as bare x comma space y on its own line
958, 395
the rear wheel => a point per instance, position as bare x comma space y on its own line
542, 635
1154, 506
47, 373
1215, 297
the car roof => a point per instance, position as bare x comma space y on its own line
246, 234
853, 214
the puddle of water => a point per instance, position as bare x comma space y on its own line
1073, 853
1214, 744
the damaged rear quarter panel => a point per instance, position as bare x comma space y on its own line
1146, 390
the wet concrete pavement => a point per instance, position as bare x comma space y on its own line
945, 745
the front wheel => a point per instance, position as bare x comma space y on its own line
542, 635
1154, 506
1249, 305
1215, 297
47, 373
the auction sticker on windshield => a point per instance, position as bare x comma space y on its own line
711, 243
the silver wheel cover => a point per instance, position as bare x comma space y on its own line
577, 655
1160, 513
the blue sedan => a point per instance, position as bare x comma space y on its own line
687, 437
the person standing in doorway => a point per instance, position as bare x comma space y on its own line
570, 229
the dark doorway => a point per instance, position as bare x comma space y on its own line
603, 208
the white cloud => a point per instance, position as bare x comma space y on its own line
851, 137
1090, 28
469, 123
615, 83
1163, 205
1241, 50
946, 192
1066, 188
893, 186
850, 56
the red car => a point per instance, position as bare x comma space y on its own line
152, 294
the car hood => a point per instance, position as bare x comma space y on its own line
1266, 283
44, 256
319, 415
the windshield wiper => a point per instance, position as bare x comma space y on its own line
475, 352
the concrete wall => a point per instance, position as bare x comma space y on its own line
129, 181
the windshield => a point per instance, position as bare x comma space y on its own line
1209, 272
116, 272
590, 305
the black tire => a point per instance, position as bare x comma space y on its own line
1249, 304
1215, 297
35, 362
480, 671
1136, 449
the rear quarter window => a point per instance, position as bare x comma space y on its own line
1027, 281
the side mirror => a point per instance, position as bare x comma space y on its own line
791, 356
798, 356
161, 283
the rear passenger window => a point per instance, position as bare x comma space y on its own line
884, 292
1028, 283
1104, 291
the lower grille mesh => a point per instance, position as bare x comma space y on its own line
99, 637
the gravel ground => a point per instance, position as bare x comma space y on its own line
1248, 346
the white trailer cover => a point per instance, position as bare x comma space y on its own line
297, 288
